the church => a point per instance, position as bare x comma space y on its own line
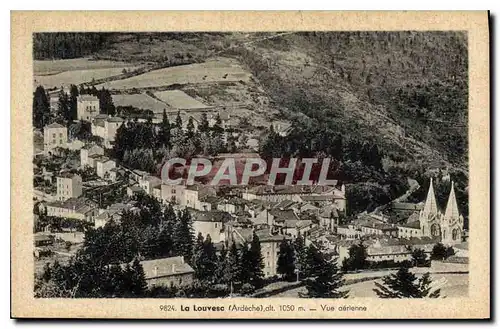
434, 223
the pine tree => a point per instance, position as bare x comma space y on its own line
419, 258
197, 261
300, 255
357, 258
324, 279
139, 285
178, 120
286, 260
165, 130
183, 235
405, 284
256, 262
41, 108
438, 252
222, 266
73, 100
190, 128
204, 126
63, 110
233, 270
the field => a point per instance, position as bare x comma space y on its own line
77, 77
140, 101
48, 67
221, 70
179, 100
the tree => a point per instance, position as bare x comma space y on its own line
106, 105
300, 255
73, 100
256, 262
222, 266
233, 270
63, 110
405, 284
190, 128
286, 261
138, 280
183, 235
324, 279
357, 258
165, 130
204, 126
449, 251
419, 258
41, 108
438, 252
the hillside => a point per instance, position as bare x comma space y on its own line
403, 92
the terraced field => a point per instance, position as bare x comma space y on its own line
220, 70
48, 67
140, 101
77, 77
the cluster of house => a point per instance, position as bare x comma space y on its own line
273, 213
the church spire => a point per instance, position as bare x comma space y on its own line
452, 206
430, 207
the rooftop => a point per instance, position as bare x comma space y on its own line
87, 98
54, 125
155, 268
211, 216
79, 205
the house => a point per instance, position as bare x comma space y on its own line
54, 103
194, 193
54, 135
42, 240
103, 165
133, 190
87, 151
210, 223
172, 193
113, 212
68, 186
106, 128
269, 244
379, 229
87, 107
167, 272
409, 230
76, 208
316, 194
149, 182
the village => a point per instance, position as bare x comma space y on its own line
79, 186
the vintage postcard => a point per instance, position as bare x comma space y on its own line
250, 165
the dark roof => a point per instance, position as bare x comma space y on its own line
282, 215
211, 216
414, 224
87, 98
54, 125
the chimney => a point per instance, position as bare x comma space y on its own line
173, 268
155, 271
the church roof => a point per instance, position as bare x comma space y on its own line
430, 206
452, 206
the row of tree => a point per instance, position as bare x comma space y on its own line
144, 145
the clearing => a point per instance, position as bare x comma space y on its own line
48, 67
219, 70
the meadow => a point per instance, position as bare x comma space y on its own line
220, 70
140, 101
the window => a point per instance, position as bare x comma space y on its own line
54, 135
454, 234
60, 135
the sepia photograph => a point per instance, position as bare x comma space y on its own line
325, 165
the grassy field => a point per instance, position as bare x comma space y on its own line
48, 67
140, 101
77, 77
221, 70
